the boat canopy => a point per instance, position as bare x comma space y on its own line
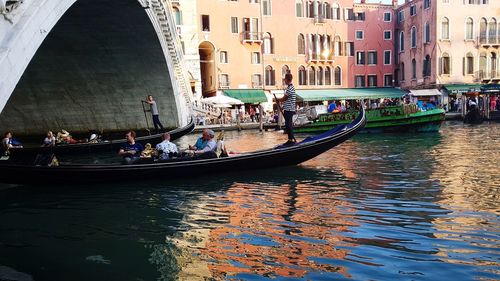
349, 94
425, 92
247, 95
462, 88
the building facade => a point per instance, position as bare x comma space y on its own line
447, 42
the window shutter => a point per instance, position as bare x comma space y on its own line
273, 77
440, 66
464, 67
451, 65
272, 45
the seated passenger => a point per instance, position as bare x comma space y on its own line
205, 145
221, 150
49, 140
166, 147
201, 142
8, 142
130, 150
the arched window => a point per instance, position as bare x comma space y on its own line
492, 34
445, 64
427, 66
427, 33
482, 65
267, 46
310, 9
469, 29
327, 10
320, 13
483, 27
299, 8
335, 11
320, 76
337, 76
413, 37
337, 45
312, 76
402, 68
270, 76
284, 70
401, 41
413, 69
302, 76
469, 63
328, 76
301, 43
445, 28
177, 16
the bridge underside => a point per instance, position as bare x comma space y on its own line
92, 71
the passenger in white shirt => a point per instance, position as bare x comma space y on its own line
166, 147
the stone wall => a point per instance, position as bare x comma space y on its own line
100, 60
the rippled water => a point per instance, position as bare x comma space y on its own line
378, 207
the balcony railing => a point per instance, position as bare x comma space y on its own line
487, 75
489, 40
319, 19
224, 85
251, 37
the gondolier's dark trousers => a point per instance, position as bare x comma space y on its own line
289, 124
156, 122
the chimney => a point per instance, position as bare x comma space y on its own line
394, 3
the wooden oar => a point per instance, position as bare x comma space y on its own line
145, 116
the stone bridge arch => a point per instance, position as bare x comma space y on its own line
84, 65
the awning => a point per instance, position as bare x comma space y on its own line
224, 100
425, 92
462, 88
490, 88
247, 95
349, 94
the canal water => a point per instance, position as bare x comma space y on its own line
378, 207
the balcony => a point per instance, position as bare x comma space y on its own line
251, 37
319, 19
486, 41
482, 75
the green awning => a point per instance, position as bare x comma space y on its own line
462, 88
490, 88
247, 95
349, 94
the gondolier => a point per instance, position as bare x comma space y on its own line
154, 113
289, 100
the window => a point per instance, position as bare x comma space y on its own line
270, 76
482, 64
372, 80
388, 80
401, 16
413, 10
445, 29
223, 57
427, 4
285, 70
301, 43
349, 48
360, 16
372, 57
482, 31
266, 7
177, 16
402, 69
427, 33
387, 16
360, 57
205, 22
234, 25
492, 35
445, 1
359, 34
337, 76
312, 76
387, 35
257, 81
350, 14
413, 69
335, 11
224, 81
413, 37
337, 46
299, 9
469, 29
387, 57
302, 76
469, 60
427, 66
255, 58
328, 76
445, 64
320, 76
267, 46
359, 81
310, 9
401, 41
254, 1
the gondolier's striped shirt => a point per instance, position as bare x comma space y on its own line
289, 104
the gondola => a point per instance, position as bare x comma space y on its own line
282, 155
113, 145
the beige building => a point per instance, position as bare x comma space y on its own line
447, 42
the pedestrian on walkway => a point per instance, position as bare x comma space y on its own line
154, 113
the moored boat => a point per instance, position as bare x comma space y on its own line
283, 155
